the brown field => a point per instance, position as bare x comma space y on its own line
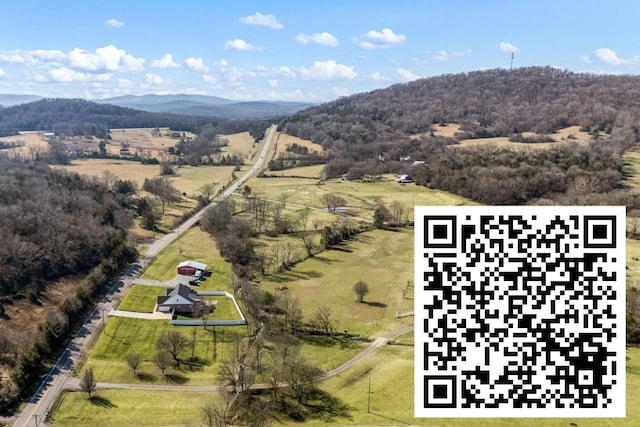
33, 142
285, 140
241, 143
568, 134
143, 140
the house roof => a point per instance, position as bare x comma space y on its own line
196, 265
181, 294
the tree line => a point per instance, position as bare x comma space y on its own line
52, 223
71, 117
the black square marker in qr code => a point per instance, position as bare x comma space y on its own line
520, 311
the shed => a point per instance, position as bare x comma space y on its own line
189, 268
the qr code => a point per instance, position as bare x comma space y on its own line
519, 311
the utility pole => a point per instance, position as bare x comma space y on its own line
369, 398
512, 55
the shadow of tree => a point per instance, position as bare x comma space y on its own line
193, 364
342, 341
322, 406
291, 276
145, 377
176, 378
375, 304
102, 401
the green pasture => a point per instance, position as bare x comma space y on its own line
363, 196
389, 371
328, 279
125, 335
141, 299
197, 245
130, 408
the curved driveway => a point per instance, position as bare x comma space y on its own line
74, 382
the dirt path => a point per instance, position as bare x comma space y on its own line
73, 383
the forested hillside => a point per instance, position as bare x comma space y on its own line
487, 103
52, 223
370, 133
68, 117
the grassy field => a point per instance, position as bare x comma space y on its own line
284, 141
125, 335
329, 278
362, 197
193, 244
130, 408
390, 371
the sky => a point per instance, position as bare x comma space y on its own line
309, 51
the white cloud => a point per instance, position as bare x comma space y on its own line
377, 77
208, 78
241, 45
508, 47
65, 75
441, 56
196, 64
108, 58
165, 62
153, 79
323, 38
32, 57
113, 23
272, 82
610, 57
585, 59
379, 39
328, 70
263, 20
125, 83
407, 75
1, 72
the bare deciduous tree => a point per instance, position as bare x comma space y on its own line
323, 319
361, 289
134, 360
88, 381
174, 343
162, 359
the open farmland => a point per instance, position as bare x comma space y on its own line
285, 141
568, 134
143, 140
361, 198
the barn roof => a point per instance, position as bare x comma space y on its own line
196, 265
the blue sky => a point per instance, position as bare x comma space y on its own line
309, 51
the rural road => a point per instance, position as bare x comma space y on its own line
34, 414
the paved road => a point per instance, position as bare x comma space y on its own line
35, 412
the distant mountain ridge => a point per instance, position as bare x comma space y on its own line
198, 105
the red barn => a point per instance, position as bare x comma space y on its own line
189, 268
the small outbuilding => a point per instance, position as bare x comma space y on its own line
190, 268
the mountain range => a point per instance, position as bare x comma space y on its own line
194, 105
